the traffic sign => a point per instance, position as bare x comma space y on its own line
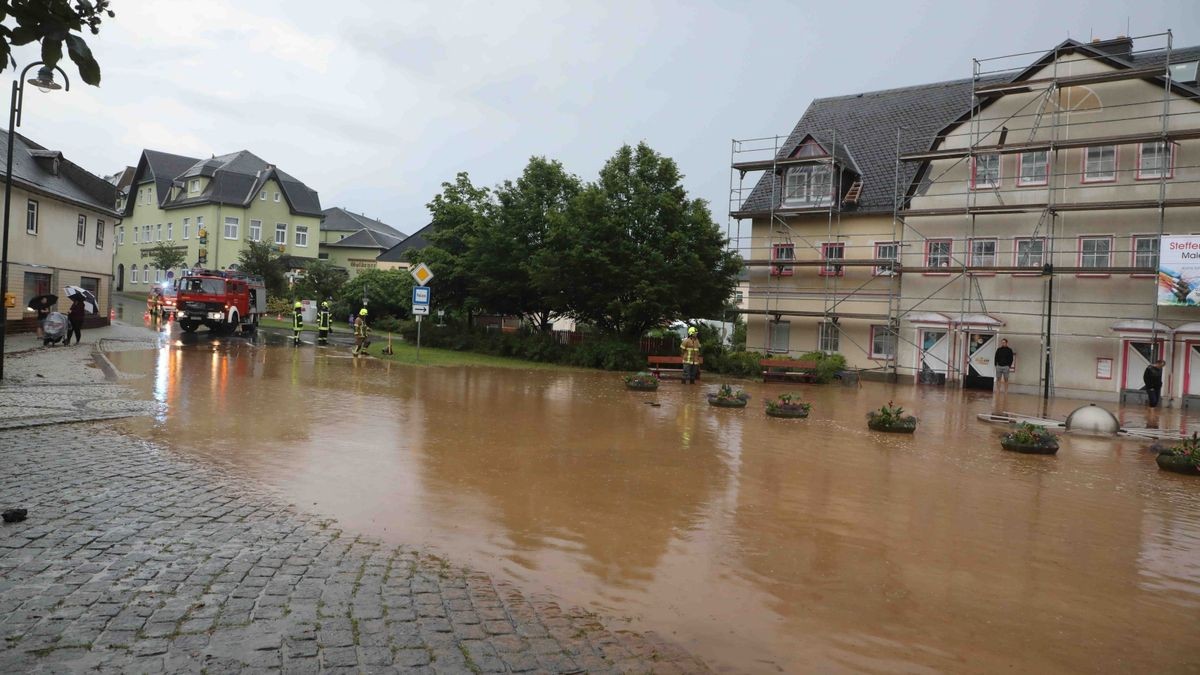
422, 274
421, 295
420, 310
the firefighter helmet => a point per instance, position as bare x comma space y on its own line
297, 305
362, 312
691, 330
325, 304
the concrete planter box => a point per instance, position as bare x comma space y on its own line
788, 411
907, 426
1041, 448
1176, 464
726, 402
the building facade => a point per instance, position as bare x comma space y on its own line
60, 233
353, 241
1034, 216
209, 210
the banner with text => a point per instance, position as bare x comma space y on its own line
1179, 271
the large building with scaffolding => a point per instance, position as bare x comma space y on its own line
912, 229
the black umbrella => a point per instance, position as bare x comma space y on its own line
42, 301
89, 300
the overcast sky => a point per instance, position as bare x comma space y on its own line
375, 103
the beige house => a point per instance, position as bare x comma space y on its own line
1033, 217
353, 241
60, 231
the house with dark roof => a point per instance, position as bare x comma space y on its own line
396, 257
210, 209
61, 231
912, 229
353, 241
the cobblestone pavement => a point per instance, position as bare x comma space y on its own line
136, 560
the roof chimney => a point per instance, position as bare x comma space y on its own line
1120, 46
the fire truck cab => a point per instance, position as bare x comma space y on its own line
222, 300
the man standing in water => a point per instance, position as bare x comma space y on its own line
324, 323
1004, 361
691, 356
1152, 383
360, 332
297, 322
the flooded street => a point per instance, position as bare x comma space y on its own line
763, 545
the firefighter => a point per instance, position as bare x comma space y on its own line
297, 322
360, 332
324, 323
691, 356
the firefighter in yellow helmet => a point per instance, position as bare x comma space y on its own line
324, 323
690, 349
297, 322
360, 332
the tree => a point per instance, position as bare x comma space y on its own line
504, 253
167, 257
262, 259
53, 22
633, 251
322, 280
389, 293
458, 214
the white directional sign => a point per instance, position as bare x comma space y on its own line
421, 273
420, 310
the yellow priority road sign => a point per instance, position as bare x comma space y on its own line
422, 274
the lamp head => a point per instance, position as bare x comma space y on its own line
45, 80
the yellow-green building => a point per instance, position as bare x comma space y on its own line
353, 241
210, 209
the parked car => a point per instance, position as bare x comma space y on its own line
161, 299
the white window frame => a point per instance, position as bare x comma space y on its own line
170, 231
276, 197
255, 233
137, 231
831, 269
828, 337
120, 235
802, 187
262, 195
199, 224
236, 224
301, 233
1017, 252
100, 234
35, 210
777, 251
133, 273
281, 235
1084, 240
193, 186
929, 254
885, 271
1133, 252
1029, 180
145, 274
1156, 174
973, 256
771, 337
1100, 175
990, 183
81, 230
876, 330
157, 275
187, 228
158, 232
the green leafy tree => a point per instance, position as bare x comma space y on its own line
52, 23
168, 257
504, 253
322, 280
388, 293
633, 251
458, 214
262, 259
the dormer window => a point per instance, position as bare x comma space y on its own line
808, 186
194, 186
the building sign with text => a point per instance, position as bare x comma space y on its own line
1179, 271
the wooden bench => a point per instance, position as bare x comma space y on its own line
656, 363
787, 370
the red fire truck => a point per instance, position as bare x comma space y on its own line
223, 301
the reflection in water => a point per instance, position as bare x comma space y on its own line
764, 544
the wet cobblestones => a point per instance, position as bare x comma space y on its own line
134, 560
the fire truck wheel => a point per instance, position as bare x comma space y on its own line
188, 326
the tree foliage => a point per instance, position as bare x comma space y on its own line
388, 293
262, 259
322, 280
52, 23
458, 214
167, 256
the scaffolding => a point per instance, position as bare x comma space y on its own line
1045, 123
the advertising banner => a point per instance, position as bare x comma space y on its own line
1179, 271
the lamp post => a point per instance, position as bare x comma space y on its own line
45, 83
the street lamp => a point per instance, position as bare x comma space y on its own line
45, 83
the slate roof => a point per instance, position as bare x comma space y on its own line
365, 238
235, 179
412, 242
865, 128
33, 169
338, 219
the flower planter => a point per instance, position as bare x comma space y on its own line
894, 428
788, 411
726, 402
642, 386
1176, 464
1043, 448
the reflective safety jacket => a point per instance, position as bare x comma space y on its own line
691, 350
324, 319
360, 327
297, 319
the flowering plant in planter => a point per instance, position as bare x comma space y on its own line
1031, 439
642, 381
726, 397
891, 418
788, 405
1182, 457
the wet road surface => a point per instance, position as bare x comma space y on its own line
761, 544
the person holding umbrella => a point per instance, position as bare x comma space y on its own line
82, 301
42, 304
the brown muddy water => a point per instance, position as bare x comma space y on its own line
763, 545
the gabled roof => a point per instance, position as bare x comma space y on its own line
365, 238
835, 147
338, 219
235, 179
34, 170
412, 242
